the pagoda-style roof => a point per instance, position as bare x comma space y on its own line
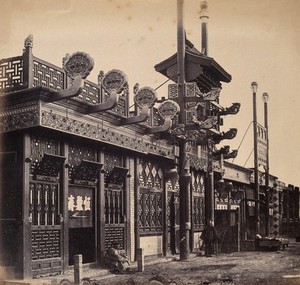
198, 68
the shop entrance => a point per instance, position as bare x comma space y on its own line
82, 231
226, 223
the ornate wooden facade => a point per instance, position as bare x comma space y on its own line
79, 170
86, 171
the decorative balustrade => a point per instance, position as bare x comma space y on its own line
11, 74
69, 82
48, 75
45, 74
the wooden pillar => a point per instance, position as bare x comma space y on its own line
165, 222
136, 211
101, 213
127, 216
65, 215
26, 223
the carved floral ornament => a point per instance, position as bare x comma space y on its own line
114, 80
145, 96
78, 64
168, 109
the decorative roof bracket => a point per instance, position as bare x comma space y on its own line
145, 99
77, 66
160, 129
73, 91
109, 104
168, 110
142, 117
230, 134
232, 110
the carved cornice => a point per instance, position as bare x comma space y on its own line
97, 130
19, 117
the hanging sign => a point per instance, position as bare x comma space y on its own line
262, 150
80, 207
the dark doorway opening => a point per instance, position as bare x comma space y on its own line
82, 231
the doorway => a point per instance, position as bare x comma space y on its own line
82, 230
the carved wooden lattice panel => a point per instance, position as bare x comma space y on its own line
44, 204
150, 211
198, 213
46, 228
11, 73
150, 174
114, 234
47, 76
150, 197
114, 206
40, 146
45, 244
77, 154
90, 93
198, 182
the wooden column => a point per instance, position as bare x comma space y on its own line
136, 211
100, 213
165, 223
26, 223
64, 212
127, 218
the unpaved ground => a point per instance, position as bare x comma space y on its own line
242, 268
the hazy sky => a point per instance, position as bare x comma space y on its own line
253, 40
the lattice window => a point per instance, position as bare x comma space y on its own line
150, 211
114, 206
40, 146
11, 73
45, 244
198, 182
44, 204
47, 76
111, 160
77, 154
172, 185
150, 174
198, 213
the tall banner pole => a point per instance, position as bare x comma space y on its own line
184, 179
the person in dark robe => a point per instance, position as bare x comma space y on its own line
210, 238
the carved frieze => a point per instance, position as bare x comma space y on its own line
19, 117
100, 132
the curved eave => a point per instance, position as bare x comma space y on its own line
194, 63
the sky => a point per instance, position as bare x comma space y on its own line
253, 40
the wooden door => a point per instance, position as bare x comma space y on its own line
46, 228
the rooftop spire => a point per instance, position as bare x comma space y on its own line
204, 19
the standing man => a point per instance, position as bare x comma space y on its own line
210, 238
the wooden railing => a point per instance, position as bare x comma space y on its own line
28, 71
11, 74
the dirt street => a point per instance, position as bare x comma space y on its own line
242, 268
263, 267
